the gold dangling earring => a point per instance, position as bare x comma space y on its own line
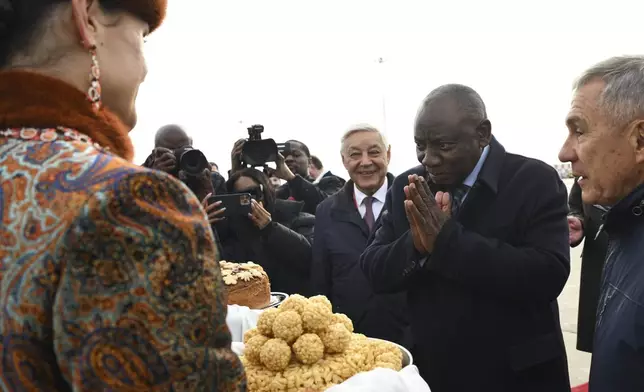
94, 91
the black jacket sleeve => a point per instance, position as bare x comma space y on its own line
390, 260
576, 207
331, 184
321, 271
535, 270
290, 246
311, 194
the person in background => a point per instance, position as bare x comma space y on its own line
478, 237
605, 146
276, 235
584, 221
317, 172
343, 223
171, 138
213, 167
109, 272
168, 140
294, 169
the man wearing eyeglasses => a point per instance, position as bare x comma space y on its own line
478, 237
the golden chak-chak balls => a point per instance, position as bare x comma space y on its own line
308, 348
275, 355
250, 334
316, 317
266, 320
339, 318
336, 338
254, 347
321, 299
295, 302
288, 326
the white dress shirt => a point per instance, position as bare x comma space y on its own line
378, 200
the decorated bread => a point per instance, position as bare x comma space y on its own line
247, 284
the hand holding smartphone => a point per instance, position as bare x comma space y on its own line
234, 203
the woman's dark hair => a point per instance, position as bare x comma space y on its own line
21, 21
261, 179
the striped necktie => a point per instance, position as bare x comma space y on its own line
369, 218
458, 194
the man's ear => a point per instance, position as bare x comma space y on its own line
484, 131
84, 24
389, 153
637, 140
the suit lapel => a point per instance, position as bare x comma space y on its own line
344, 209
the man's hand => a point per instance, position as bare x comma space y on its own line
260, 217
426, 218
214, 211
575, 230
281, 170
235, 156
164, 160
444, 201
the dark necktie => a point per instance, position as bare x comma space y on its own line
369, 219
458, 194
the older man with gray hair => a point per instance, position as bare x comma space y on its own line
605, 145
343, 223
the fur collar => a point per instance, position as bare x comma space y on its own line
33, 100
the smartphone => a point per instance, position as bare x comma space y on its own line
235, 203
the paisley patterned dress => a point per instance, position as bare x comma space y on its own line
109, 279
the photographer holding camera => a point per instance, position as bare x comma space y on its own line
173, 153
292, 161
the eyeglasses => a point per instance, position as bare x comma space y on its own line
256, 193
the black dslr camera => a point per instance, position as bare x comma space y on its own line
257, 151
191, 161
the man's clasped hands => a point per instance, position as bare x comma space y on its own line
426, 213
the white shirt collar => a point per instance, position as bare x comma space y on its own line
474, 175
380, 195
320, 176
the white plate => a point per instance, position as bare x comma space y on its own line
276, 299
407, 358
238, 348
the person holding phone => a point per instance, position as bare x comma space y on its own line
292, 167
273, 233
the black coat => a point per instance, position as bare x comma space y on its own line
302, 189
342, 237
618, 351
483, 308
283, 248
592, 265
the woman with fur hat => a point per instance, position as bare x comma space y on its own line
108, 271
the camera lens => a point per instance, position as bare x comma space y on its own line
193, 162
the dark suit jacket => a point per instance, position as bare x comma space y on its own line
483, 307
342, 236
592, 265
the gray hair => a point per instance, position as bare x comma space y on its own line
362, 128
623, 96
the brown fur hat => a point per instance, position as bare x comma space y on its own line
150, 11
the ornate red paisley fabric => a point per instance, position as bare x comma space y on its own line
109, 279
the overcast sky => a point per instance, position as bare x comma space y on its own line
308, 69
